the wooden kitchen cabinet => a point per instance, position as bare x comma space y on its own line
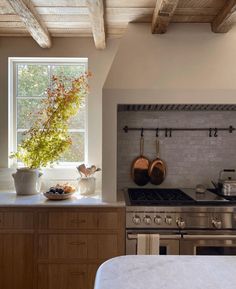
17, 264
72, 243
47, 248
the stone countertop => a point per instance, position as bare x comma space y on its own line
167, 272
10, 199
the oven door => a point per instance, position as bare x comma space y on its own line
169, 241
206, 243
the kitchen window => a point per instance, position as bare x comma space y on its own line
28, 80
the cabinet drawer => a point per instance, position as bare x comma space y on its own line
107, 246
64, 246
16, 220
108, 220
72, 220
61, 276
78, 246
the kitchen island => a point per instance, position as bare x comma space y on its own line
167, 272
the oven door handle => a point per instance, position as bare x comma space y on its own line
211, 237
132, 236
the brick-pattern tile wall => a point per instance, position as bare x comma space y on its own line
192, 157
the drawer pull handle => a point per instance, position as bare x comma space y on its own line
77, 243
78, 221
77, 273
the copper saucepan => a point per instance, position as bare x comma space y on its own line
139, 167
157, 168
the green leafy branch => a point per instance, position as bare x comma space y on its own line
48, 138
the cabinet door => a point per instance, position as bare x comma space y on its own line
16, 261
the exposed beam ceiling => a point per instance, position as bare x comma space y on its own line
86, 18
32, 22
163, 12
96, 15
225, 18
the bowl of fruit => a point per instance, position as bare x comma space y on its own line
60, 192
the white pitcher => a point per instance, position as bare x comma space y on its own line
27, 181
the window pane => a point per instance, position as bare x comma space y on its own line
26, 109
20, 137
78, 121
76, 151
70, 71
33, 79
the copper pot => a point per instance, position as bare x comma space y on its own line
139, 167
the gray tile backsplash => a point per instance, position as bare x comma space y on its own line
192, 157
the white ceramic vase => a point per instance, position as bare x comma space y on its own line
87, 186
27, 181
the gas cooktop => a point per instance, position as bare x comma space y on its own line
171, 197
147, 197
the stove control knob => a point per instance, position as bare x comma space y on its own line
136, 220
180, 223
217, 224
157, 220
168, 220
147, 220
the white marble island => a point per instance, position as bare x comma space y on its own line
168, 272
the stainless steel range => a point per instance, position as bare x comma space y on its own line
188, 223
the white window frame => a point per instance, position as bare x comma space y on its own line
12, 109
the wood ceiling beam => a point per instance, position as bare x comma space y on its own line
32, 22
96, 15
224, 20
163, 12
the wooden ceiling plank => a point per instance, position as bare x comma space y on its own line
96, 15
225, 18
59, 3
218, 4
130, 3
163, 12
33, 24
64, 18
196, 11
192, 18
62, 10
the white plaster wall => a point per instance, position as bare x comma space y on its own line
189, 64
99, 64
188, 56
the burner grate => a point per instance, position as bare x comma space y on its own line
149, 197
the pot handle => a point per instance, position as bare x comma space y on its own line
141, 143
226, 171
157, 147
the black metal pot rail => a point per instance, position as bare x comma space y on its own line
213, 132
